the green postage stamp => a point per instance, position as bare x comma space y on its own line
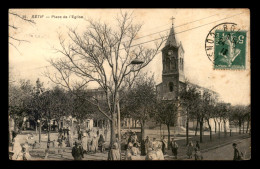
230, 49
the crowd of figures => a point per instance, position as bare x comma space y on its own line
20, 151
91, 141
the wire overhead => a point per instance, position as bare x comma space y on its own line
163, 36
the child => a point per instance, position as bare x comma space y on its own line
198, 155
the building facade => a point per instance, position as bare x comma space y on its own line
173, 77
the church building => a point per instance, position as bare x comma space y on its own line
173, 78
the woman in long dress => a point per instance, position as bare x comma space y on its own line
95, 144
159, 152
190, 150
17, 149
85, 142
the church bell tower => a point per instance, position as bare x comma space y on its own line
173, 69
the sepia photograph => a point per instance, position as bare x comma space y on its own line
111, 84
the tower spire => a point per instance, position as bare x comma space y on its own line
171, 38
172, 18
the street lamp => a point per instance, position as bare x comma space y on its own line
137, 61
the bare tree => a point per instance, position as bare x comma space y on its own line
102, 54
13, 41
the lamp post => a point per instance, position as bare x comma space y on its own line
136, 61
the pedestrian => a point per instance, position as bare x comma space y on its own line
237, 154
197, 154
128, 152
47, 150
147, 144
89, 145
79, 135
94, 144
190, 150
77, 152
101, 143
25, 152
114, 153
151, 154
164, 145
154, 144
17, 150
134, 138
174, 147
85, 142
159, 152
197, 145
135, 153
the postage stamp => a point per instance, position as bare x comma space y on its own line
226, 46
230, 49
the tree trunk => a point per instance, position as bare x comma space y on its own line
210, 132
112, 129
169, 135
187, 130
225, 128
40, 130
119, 127
49, 128
215, 125
201, 130
219, 130
196, 127
142, 137
247, 127
243, 127
239, 124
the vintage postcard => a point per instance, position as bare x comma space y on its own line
129, 84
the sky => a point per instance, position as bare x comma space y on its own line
28, 59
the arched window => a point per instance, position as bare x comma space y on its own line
171, 86
173, 64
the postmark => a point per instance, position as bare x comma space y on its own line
225, 46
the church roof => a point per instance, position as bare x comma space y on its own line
171, 39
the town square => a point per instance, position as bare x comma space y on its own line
129, 84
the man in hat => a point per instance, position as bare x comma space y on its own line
174, 147
237, 155
77, 152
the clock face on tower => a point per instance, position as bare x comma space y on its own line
170, 52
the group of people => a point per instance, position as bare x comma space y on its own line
155, 150
64, 137
196, 150
20, 151
88, 142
